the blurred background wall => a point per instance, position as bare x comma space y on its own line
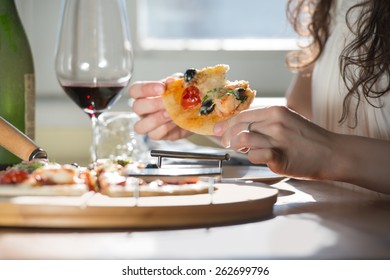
168, 36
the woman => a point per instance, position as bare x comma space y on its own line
336, 125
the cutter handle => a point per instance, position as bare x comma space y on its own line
176, 154
182, 155
18, 143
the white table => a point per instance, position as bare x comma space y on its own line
312, 220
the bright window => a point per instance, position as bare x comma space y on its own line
214, 24
169, 36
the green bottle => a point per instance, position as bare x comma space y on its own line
17, 80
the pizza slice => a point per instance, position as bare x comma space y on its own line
111, 178
113, 181
199, 99
43, 178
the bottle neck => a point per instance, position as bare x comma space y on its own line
9, 16
7, 7
11, 27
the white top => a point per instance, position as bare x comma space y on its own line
328, 89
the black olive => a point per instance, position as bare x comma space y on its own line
151, 165
189, 74
207, 107
239, 94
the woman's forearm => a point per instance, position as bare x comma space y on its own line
298, 94
361, 161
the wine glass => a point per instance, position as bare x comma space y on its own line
94, 60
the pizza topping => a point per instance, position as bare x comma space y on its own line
20, 172
207, 107
111, 178
225, 105
31, 166
89, 179
56, 175
151, 165
222, 99
123, 162
189, 74
190, 97
13, 176
237, 93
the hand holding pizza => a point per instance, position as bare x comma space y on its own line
154, 119
190, 102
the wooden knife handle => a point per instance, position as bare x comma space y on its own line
18, 143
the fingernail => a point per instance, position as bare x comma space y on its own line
166, 115
244, 150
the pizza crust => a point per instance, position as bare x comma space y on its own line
150, 190
55, 190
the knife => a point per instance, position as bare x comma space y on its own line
13, 140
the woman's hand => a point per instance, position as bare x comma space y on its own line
154, 119
287, 142
293, 146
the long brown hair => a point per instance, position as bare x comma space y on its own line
369, 51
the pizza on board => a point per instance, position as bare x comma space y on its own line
41, 178
113, 181
199, 99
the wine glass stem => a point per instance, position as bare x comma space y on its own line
95, 137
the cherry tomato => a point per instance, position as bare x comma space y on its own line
190, 97
13, 176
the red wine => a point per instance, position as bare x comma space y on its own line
93, 99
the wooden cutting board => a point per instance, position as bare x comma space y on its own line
231, 203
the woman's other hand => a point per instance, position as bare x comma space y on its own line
284, 140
